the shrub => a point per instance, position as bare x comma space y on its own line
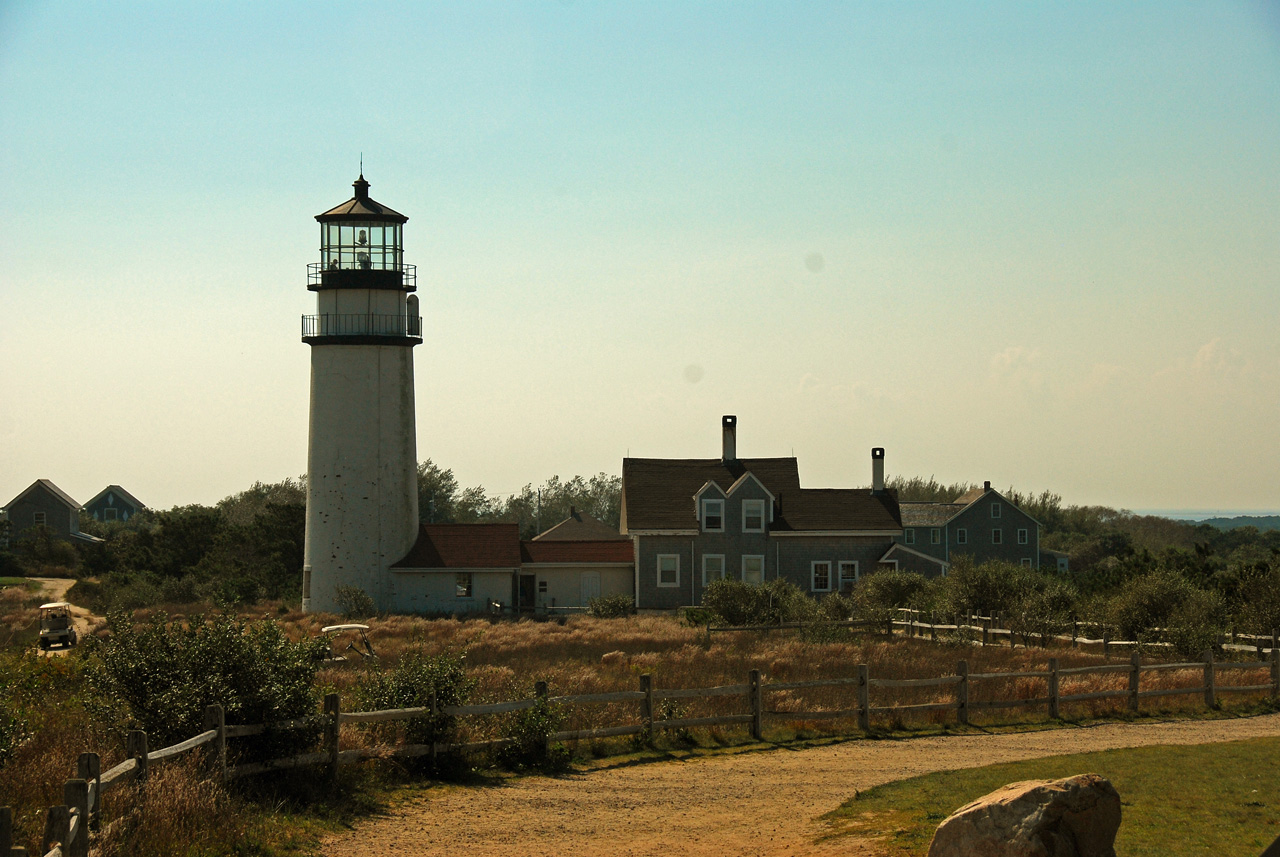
164, 674
611, 607
411, 683
354, 602
1165, 604
531, 730
770, 603
877, 595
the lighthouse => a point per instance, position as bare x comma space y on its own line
362, 495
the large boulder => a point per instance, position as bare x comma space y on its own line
1074, 817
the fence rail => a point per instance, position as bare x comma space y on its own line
68, 825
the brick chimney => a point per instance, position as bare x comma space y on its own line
729, 451
877, 469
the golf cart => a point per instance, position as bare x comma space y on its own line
56, 627
338, 631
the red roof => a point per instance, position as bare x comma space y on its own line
464, 546
563, 551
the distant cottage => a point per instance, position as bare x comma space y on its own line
113, 503
44, 504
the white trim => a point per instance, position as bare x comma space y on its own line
813, 575
995, 510
39, 519
857, 572
658, 570
935, 535
746, 557
705, 510
741, 480
908, 535
997, 536
1024, 536
763, 515
577, 565
662, 532
1026, 561
809, 534
452, 570
723, 569
962, 535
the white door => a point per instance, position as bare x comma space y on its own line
588, 586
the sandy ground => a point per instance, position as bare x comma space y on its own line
764, 803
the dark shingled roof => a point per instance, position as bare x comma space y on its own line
361, 207
464, 546
587, 551
929, 514
51, 488
657, 494
579, 526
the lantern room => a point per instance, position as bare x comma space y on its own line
361, 247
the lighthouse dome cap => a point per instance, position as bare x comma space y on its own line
361, 207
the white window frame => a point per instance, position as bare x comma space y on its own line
995, 510
842, 578
706, 581
707, 513
1023, 536
676, 558
110, 513
935, 536
542, 587
463, 585
40, 518
813, 575
909, 536
1026, 560
997, 536
752, 504
962, 535
746, 557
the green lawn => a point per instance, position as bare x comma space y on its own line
12, 581
1211, 799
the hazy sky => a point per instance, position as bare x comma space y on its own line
1034, 243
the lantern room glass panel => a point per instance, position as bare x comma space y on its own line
361, 246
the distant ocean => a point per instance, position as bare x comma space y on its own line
1205, 514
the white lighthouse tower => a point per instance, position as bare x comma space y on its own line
362, 495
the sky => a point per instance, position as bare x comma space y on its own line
1031, 243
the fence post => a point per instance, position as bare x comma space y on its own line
1210, 689
89, 768
646, 705
136, 748
1106, 644
864, 698
215, 718
962, 693
888, 627
757, 705
333, 710
933, 627
986, 631
1075, 634
1275, 640
1135, 672
6, 831
1053, 688
75, 794
56, 826
1275, 673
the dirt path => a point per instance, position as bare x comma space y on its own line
766, 803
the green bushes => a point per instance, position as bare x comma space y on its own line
1165, 605
531, 730
164, 674
770, 603
354, 602
611, 607
411, 684
879, 594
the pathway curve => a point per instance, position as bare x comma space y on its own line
764, 803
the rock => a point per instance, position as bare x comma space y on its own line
1073, 817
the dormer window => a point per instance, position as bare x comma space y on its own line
713, 516
753, 516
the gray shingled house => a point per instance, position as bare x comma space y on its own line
694, 521
113, 503
45, 504
981, 523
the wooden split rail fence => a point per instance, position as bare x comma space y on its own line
68, 826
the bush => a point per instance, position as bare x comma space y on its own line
770, 603
164, 674
611, 607
1164, 604
411, 684
879, 594
354, 602
531, 729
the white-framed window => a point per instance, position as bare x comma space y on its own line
962, 536
713, 516
41, 518
1026, 560
995, 510
848, 574
909, 536
462, 584
542, 587
1023, 538
668, 569
820, 576
935, 536
712, 568
110, 514
753, 569
753, 516
997, 537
